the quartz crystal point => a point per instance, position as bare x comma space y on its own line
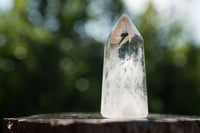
124, 93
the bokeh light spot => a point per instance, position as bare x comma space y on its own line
67, 64
66, 44
20, 52
180, 60
82, 84
6, 5
52, 24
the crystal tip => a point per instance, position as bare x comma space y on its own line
124, 26
124, 17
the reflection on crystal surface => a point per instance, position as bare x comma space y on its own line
124, 77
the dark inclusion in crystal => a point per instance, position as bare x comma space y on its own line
130, 48
123, 36
126, 38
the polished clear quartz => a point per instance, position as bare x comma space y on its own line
124, 93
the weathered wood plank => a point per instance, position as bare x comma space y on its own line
94, 123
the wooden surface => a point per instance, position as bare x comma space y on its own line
94, 123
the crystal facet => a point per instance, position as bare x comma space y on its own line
124, 93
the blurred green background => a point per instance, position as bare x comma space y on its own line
51, 57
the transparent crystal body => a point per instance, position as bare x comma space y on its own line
124, 93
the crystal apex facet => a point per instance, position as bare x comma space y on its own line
124, 26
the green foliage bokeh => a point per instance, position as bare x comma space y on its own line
48, 63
